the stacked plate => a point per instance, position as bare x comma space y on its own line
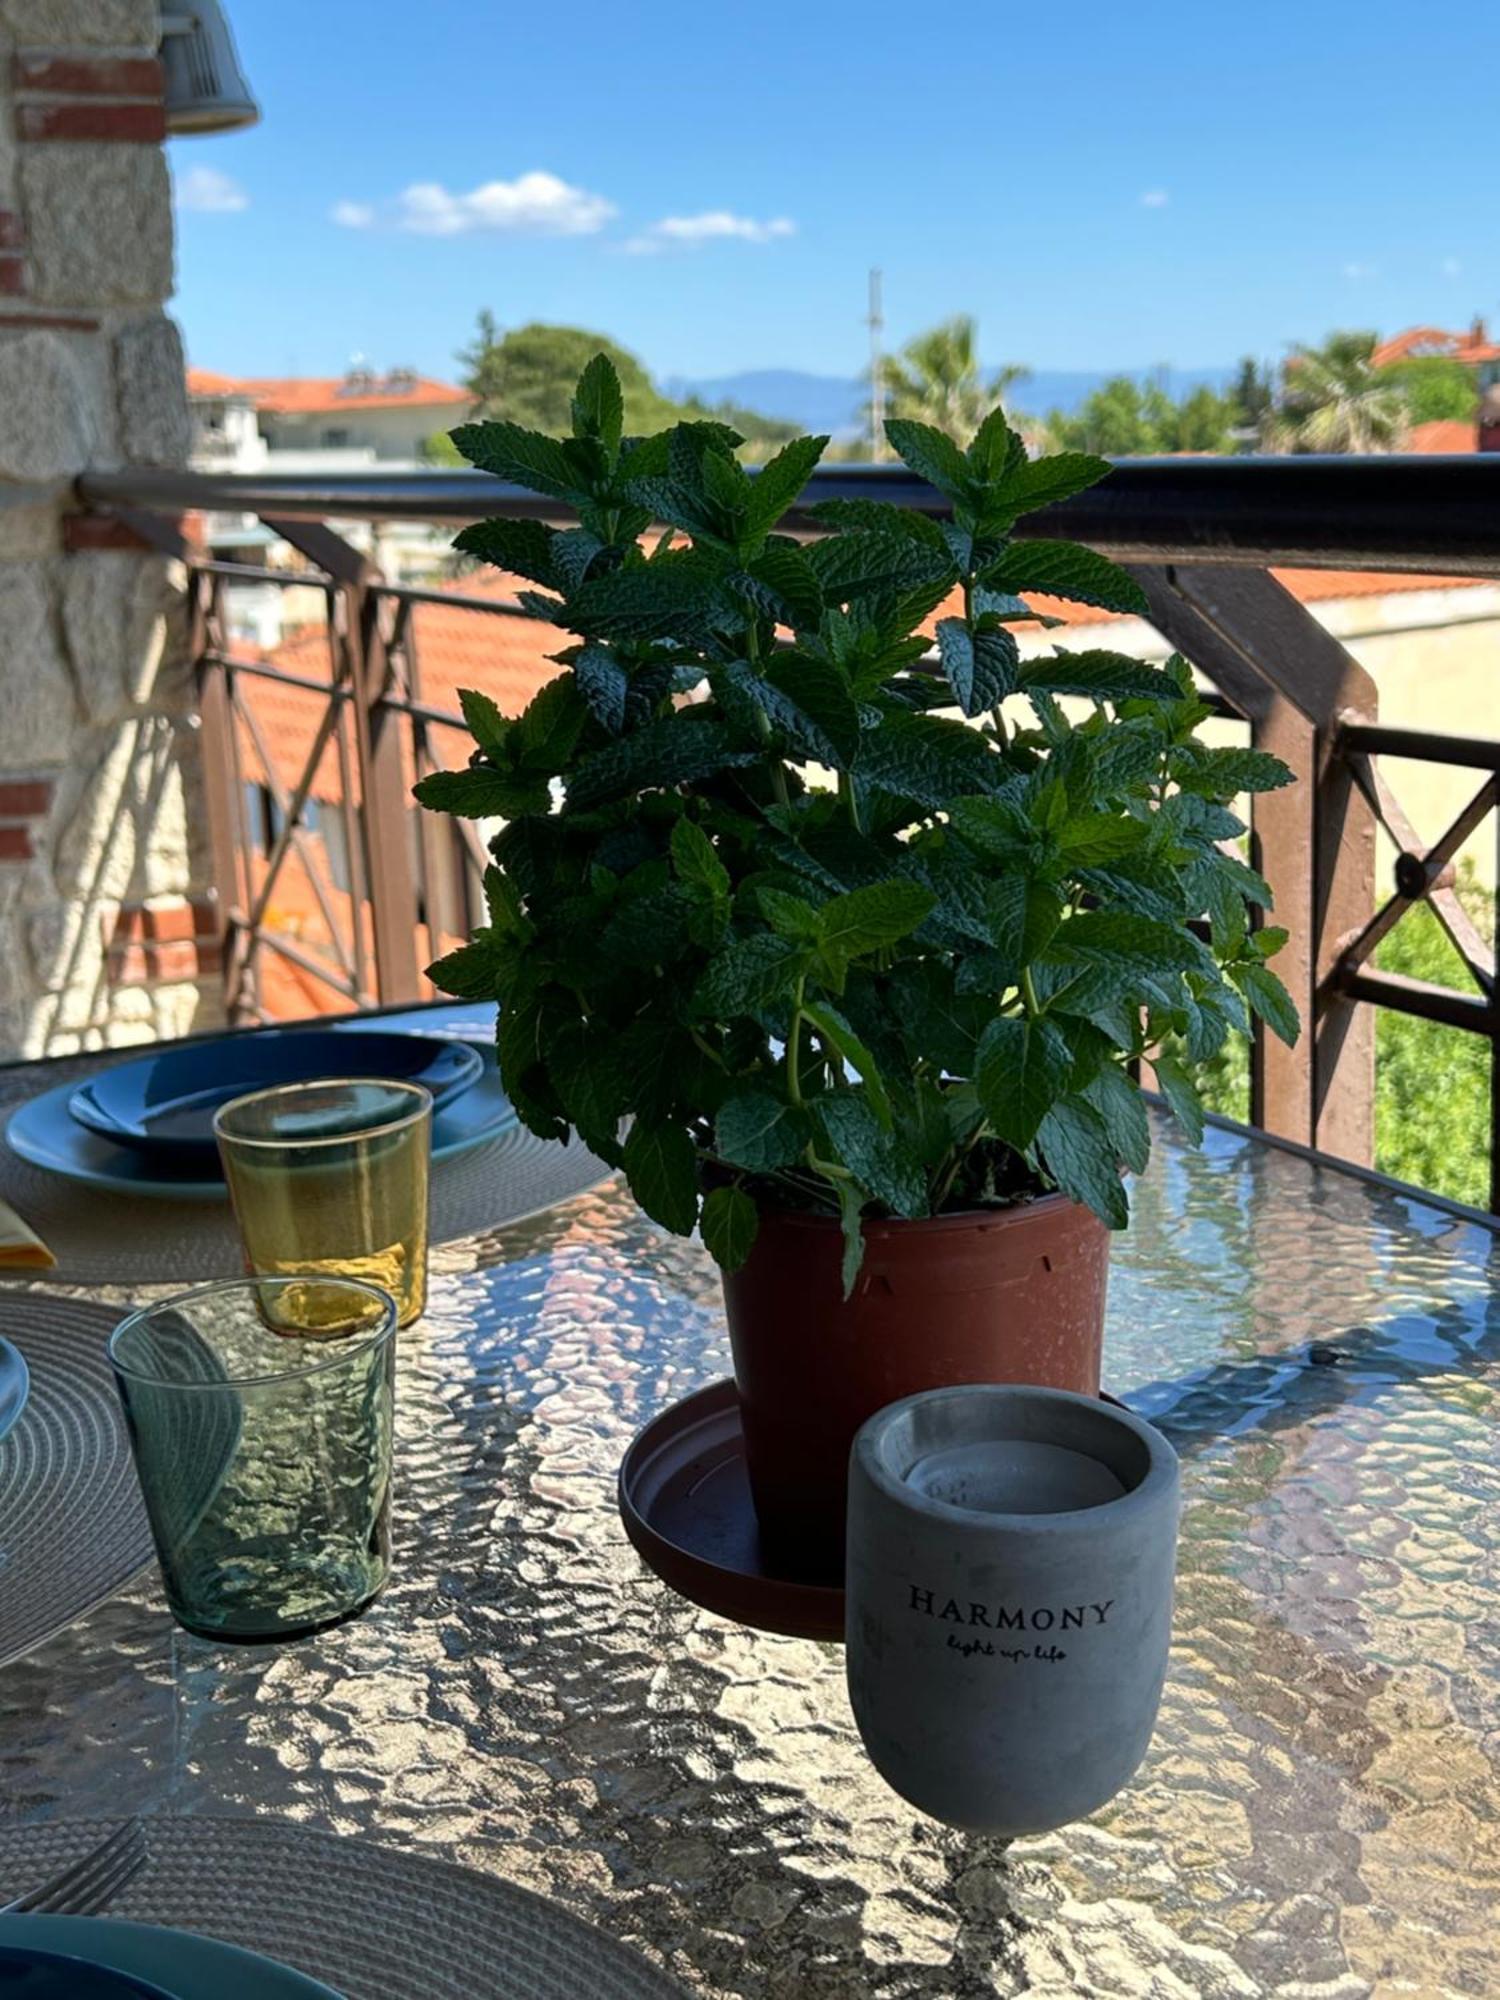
146, 1127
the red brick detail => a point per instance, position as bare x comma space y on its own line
66, 322
15, 843
88, 76
25, 798
131, 124
183, 958
83, 533
12, 276
12, 230
162, 923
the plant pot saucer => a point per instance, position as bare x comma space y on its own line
684, 1496
685, 1501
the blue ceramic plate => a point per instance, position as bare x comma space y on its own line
15, 1385
181, 1965
163, 1104
44, 1975
44, 1132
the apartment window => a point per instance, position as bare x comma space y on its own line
335, 435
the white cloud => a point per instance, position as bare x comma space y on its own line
715, 225
1155, 198
1358, 271
1451, 267
534, 204
208, 192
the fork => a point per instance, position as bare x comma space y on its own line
84, 1888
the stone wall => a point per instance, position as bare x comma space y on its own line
106, 927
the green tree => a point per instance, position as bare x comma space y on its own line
526, 376
1436, 389
439, 449
1253, 395
1126, 418
936, 379
1334, 399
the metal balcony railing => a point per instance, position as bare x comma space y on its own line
1201, 535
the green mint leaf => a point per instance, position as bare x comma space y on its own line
470, 973
851, 1222
1269, 999
1023, 1068
502, 899
817, 704
780, 482
1098, 936
696, 862
749, 976
864, 562
878, 1159
525, 458
661, 1165
488, 727
932, 455
980, 666
1225, 773
604, 685
1039, 482
598, 405
1268, 940
866, 919
785, 586
759, 1132
1075, 1147
838, 1034
1118, 1100
729, 1224
676, 750
521, 548
1063, 569
1098, 675
997, 451
1098, 837
478, 793
884, 519
1177, 1088
928, 759
789, 916
550, 725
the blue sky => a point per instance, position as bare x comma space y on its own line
1101, 185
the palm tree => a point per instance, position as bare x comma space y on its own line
937, 379
1334, 399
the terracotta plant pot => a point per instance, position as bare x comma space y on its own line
992, 1295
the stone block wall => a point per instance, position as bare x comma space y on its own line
107, 930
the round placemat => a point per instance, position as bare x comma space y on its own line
373, 1922
72, 1523
100, 1237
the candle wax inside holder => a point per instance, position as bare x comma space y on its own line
1014, 1476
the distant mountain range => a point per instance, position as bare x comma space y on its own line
833, 403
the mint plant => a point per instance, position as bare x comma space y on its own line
762, 905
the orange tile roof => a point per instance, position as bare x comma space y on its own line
1471, 346
1444, 434
204, 382
294, 395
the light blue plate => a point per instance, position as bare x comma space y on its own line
15, 1385
187, 1966
44, 1132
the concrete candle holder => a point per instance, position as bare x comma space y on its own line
1008, 1600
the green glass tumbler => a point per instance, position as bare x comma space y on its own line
330, 1178
264, 1452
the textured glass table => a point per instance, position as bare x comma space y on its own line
1319, 1816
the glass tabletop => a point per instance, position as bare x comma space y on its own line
1320, 1812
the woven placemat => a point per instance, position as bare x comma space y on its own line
102, 1237
72, 1524
373, 1922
